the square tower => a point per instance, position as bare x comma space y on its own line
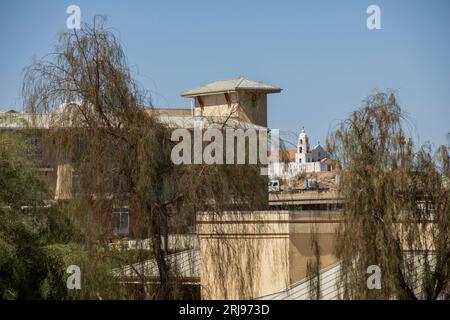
236, 98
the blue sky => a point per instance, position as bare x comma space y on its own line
320, 52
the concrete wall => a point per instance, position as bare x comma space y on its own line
245, 255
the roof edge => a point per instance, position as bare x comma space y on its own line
186, 94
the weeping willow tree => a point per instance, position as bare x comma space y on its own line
397, 206
98, 123
313, 266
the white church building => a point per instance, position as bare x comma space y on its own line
302, 159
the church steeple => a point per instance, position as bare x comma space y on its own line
302, 146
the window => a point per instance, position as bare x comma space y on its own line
300, 149
301, 141
121, 221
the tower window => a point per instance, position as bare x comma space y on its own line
300, 149
301, 141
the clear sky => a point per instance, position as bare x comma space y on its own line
320, 52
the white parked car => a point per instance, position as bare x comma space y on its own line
274, 186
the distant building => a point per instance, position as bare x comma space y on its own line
302, 159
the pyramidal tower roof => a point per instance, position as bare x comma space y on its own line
232, 85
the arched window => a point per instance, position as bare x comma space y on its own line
301, 141
300, 149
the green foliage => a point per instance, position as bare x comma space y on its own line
35, 246
30, 258
19, 185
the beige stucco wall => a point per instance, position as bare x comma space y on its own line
217, 105
245, 255
304, 225
255, 106
242, 254
248, 106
